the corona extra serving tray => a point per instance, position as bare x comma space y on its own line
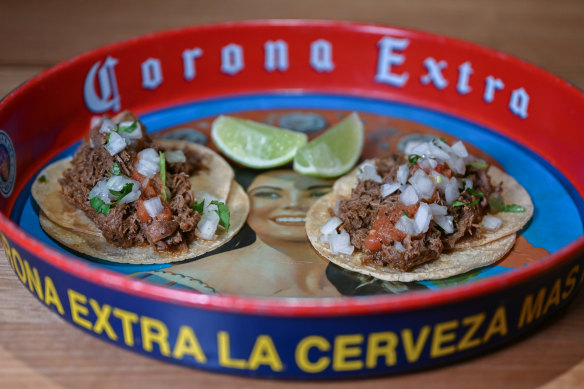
266, 304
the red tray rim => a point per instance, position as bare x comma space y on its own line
288, 306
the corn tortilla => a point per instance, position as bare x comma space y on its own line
469, 253
47, 192
71, 227
96, 246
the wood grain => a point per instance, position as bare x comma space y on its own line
38, 349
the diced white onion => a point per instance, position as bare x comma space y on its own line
437, 152
422, 149
331, 225
467, 183
107, 126
207, 225
208, 198
148, 163
368, 171
399, 246
409, 196
117, 183
135, 134
402, 174
422, 219
459, 149
153, 206
95, 121
451, 192
115, 143
440, 180
457, 165
438, 210
423, 185
101, 191
437, 149
341, 243
387, 189
132, 196
406, 225
491, 223
427, 163
442, 145
446, 223
175, 156
410, 146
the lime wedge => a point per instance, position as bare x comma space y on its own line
255, 145
333, 153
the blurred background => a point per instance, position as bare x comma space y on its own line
36, 34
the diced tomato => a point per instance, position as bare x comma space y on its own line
373, 241
165, 214
149, 190
444, 170
137, 176
143, 214
383, 230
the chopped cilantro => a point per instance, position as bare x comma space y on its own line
406, 213
116, 170
223, 212
513, 208
199, 206
122, 193
413, 158
478, 165
476, 194
457, 204
99, 205
129, 129
474, 202
42, 178
497, 205
163, 174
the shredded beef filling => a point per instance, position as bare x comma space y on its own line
359, 212
123, 226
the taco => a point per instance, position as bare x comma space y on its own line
433, 212
127, 198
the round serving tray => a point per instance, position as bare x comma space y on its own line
305, 75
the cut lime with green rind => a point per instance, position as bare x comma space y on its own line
255, 145
333, 153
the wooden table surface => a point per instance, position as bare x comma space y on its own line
38, 349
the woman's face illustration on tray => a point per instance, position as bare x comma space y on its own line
280, 200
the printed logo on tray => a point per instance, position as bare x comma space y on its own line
393, 69
306, 351
7, 164
100, 90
